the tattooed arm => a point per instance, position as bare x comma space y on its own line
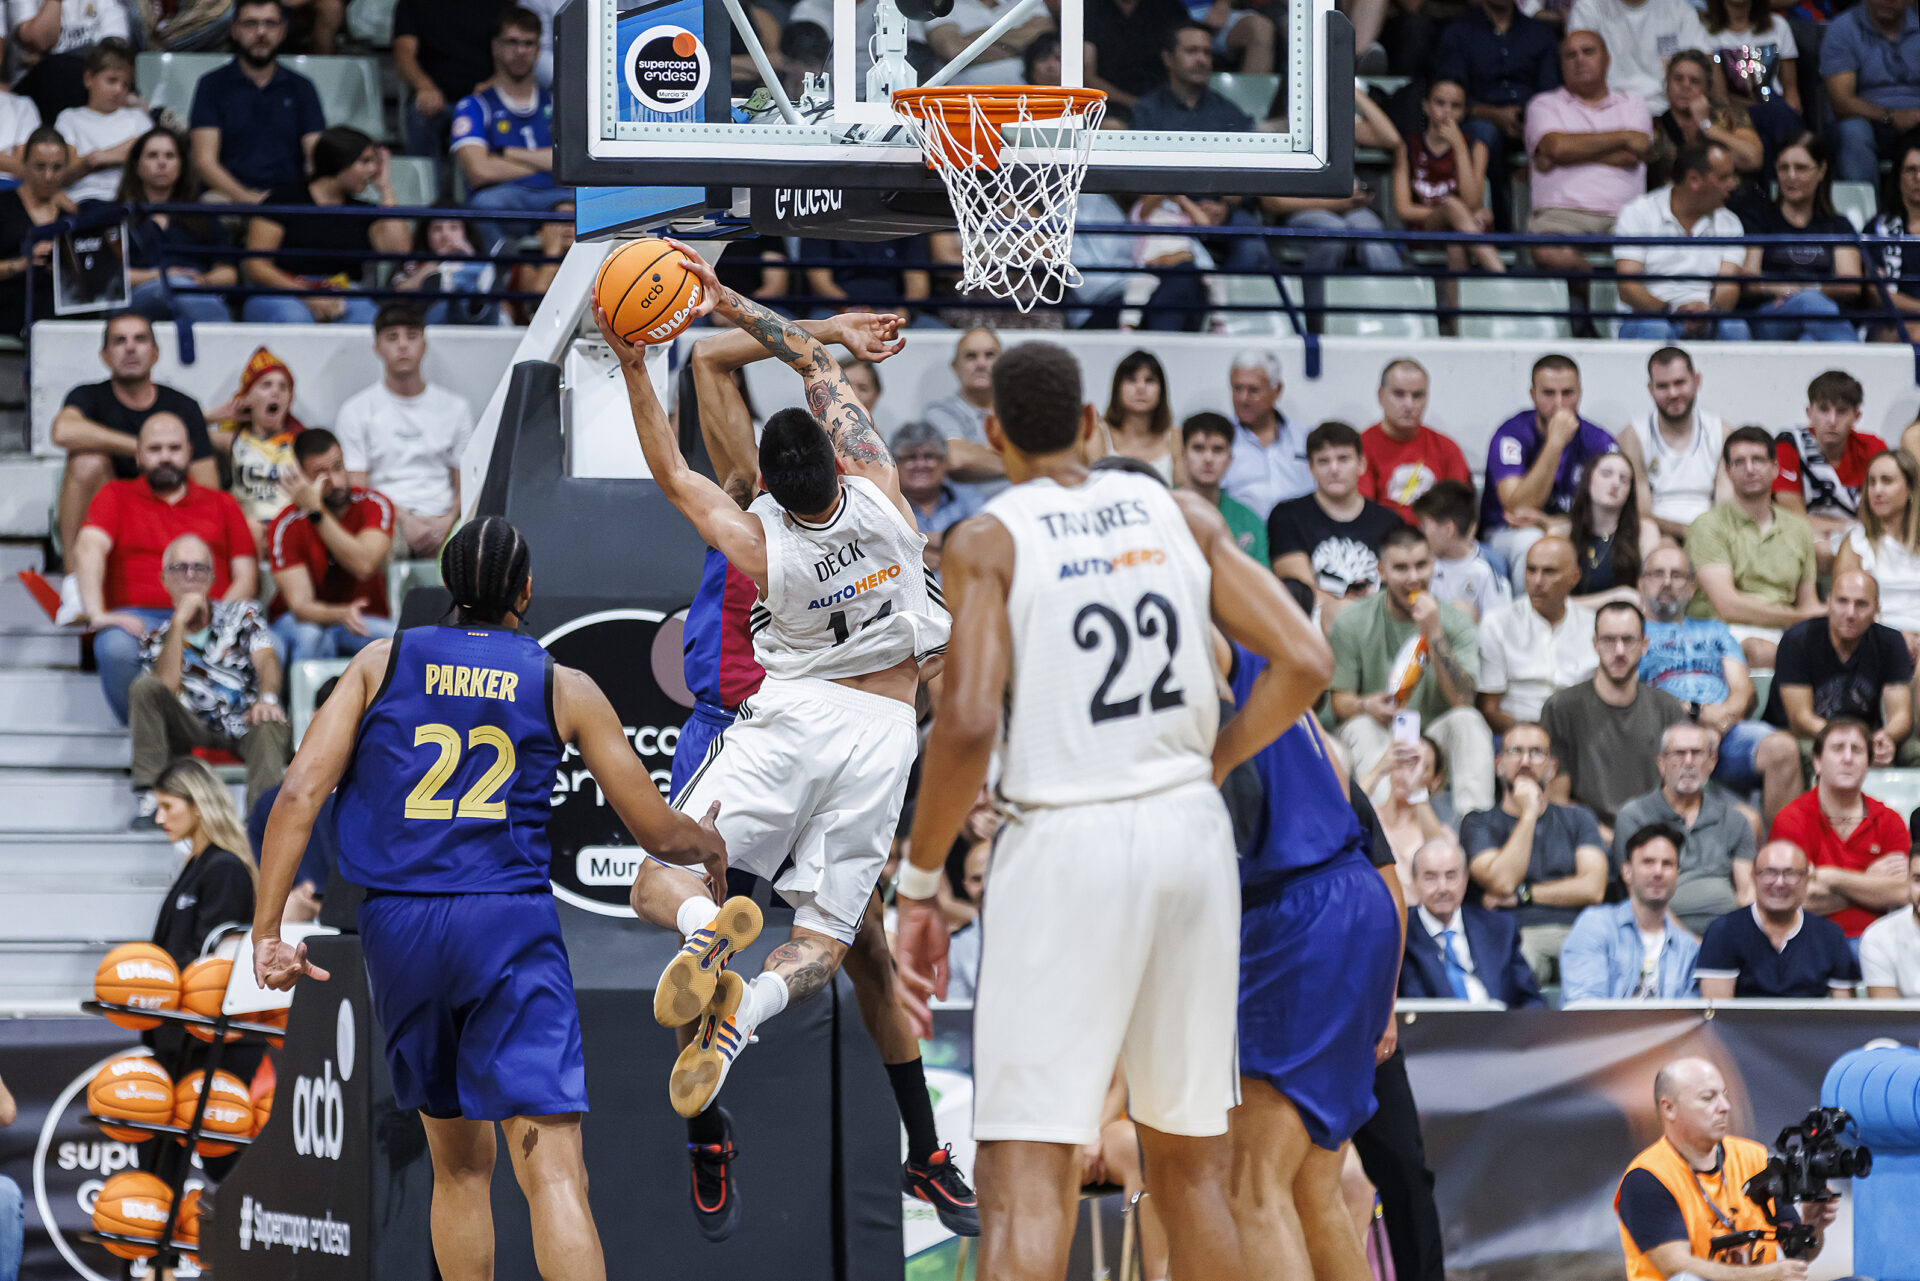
1453, 670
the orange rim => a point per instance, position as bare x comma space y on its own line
963, 109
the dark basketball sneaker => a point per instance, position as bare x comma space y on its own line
937, 1181
716, 1197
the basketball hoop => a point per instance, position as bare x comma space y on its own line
1012, 158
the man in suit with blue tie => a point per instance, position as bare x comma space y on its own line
1455, 950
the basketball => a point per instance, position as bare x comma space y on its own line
133, 1088
262, 1109
270, 1018
202, 988
229, 1111
647, 295
132, 1203
139, 975
186, 1229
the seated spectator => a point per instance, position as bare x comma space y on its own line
1540, 861
1124, 40
1886, 542
211, 679
1405, 457
1608, 534
1243, 38
1539, 644
254, 121
1717, 840
99, 427
1457, 949
1755, 50
1641, 36
1754, 554
1606, 731
1535, 460
1439, 177
345, 163
328, 553
157, 172
1503, 58
37, 201
503, 133
1039, 62
537, 277
1675, 447
999, 63
1183, 101
963, 948
1462, 572
1775, 948
102, 131
1659, 284
1794, 286
1376, 641
1411, 813
1207, 448
216, 886
1890, 947
121, 551
453, 273
920, 454
19, 120
1588, 146
403, 436
1269, 451
1327, 539
56, 39
1846, 667
963, 415
1698, 661
1898, 224
1823, 464
1173, 290
1693, 115
1139, 419
1353, 212
442, 51
1858, 847
257, 428
864, 377
1870, 62
870, 273
1636, 949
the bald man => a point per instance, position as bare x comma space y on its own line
1687, 1189
1538, 644
1776, 948
1846, 665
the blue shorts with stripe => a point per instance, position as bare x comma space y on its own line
1318, 956
704, 724
475, 997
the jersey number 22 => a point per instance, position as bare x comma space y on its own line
1096, 625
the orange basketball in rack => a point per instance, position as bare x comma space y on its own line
139, 975
186, 1229
202, 988
647, 294
131, 1088
229, 1110
132, 1203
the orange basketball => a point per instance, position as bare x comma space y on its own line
647, 294
132, 1203
229, 1110
186, 1229
139, 975
270, 1018
262, 1109
131, 1088
202, 987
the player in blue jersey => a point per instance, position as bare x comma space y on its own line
444, 743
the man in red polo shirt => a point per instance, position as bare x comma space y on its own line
118, 553
1405, 457
1823, 464
1858, 846
327, 549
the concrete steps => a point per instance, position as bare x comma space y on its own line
60, 747
52, 696
41, 800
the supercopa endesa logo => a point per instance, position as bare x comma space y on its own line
667, 68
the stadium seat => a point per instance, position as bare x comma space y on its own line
1253, 94
416, 181
1859, 201
405, 575
1547, 297
1604, 297
1762, 686
303, 684
349, 91
372, 21
1897, 789
1414, 293
166, 80
1258, 291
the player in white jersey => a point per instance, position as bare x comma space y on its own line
815, 766
1082, 604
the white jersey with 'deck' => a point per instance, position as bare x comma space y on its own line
1113, 682
847, 598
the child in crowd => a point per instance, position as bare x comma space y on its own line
1462, 572
103, 131
18, 119
257, 426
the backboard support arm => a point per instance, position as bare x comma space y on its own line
751, 38
986, 40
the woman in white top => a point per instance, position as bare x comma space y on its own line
1416, 808
1139, 419
1886, 542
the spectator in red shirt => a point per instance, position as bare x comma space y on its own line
1823, 465
327, 549
1857, 845
118, 554
1405, 457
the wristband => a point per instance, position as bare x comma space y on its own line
917, 882
271, 700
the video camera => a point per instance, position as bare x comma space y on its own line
1804, 1157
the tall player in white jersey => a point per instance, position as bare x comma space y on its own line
815, 766
1082, 605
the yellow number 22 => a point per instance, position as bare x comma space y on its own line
477, 803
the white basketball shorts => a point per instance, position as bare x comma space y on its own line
1110, 932
818, 771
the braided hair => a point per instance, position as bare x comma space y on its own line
484, 565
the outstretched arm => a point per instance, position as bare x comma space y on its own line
735, 534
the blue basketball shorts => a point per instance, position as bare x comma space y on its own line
475, 998
704, 724
1318, 957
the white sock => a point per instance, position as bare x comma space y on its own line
696, 914
766, 997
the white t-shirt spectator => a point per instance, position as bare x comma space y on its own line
408, 446
1890, 953
1897, 571
1640, 39
89, 130
82, 22
18, 119
970, 18
1715, 242
1525, 659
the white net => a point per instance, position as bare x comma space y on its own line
1012, 159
